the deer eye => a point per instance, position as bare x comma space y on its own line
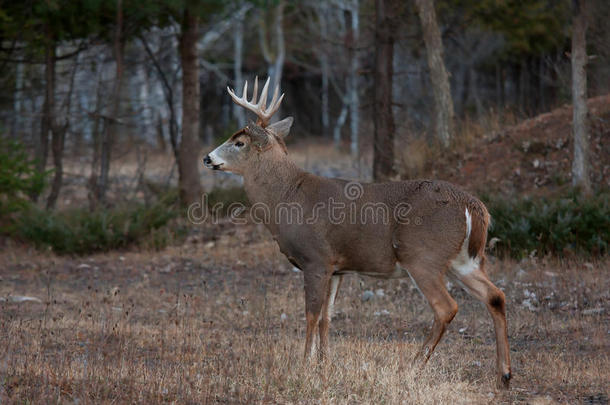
239, 144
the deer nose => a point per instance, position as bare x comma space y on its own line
207, 160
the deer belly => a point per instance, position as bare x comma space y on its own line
388, 272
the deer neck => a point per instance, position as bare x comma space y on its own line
272, 181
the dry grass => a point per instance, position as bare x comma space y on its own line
203, 323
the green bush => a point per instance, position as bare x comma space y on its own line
18, 180
80, 231
562, 226
219, 200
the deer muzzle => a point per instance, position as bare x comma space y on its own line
210, 164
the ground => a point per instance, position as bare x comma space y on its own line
221, 319
533, 157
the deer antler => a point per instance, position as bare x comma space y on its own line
263, 112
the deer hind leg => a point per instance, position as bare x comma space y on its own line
430, 281
317, 286
476, 282
327, 312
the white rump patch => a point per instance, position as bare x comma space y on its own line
463, 263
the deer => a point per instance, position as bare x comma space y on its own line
443, 235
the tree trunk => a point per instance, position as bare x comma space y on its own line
354, 103
339, 125
98, 183
188, 150
274, 58
57, 138
541, 87
98, 129
57, 147
238, 42
17, 98
42, 149
110, 135
580, 164
59, 132
383, 119
322, 11
161, 144
168, 94
522, 86
443, 104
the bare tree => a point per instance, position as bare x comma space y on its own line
188, 150
580, 164
238, 45
274, 57
42, 146
99, 182
322, 11
335, 26
443, 104
168, 94
17, 99
58, 139
383, 119
354, 99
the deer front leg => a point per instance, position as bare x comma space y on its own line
317, 283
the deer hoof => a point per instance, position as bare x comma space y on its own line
504, 382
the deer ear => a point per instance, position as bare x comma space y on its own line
281, 128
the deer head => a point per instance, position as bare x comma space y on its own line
256, 141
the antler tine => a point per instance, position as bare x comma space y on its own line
274, 107
262, 103
275, 94
255, 92
259, 105
245, 95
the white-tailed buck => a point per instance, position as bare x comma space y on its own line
424, 229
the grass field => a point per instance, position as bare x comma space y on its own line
222, 320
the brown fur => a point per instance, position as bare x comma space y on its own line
424, 242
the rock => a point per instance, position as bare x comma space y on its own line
527, 303
17, 299
530, 294
379, 292
83, 266
593, 311
367, 295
